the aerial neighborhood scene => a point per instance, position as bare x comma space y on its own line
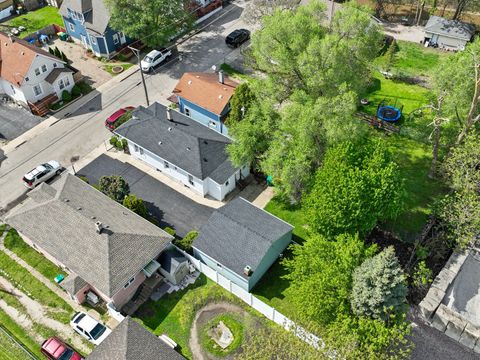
239, 179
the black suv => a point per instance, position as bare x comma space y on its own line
237, 37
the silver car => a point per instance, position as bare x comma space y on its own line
42, 173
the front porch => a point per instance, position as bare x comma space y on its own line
41, 108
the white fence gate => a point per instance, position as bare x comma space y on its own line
265, 309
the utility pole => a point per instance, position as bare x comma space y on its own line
137, 54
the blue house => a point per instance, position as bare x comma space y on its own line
241, 241
86, 21
205, 97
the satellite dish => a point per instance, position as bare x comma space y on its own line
214, 67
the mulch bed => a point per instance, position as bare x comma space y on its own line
385, 239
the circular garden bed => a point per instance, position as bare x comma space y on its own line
222, 335
117, 69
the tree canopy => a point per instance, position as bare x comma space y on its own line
152, 21
114, 186
358, 185
136, 204
243, 99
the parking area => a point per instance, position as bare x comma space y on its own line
171, 208
15, 120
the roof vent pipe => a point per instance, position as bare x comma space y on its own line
98, 227
169, 114
221, 77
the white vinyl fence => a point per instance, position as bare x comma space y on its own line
268, 311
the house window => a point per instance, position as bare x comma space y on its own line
187, 111
71, 27
26, 79
93, 40
67, 81
115, 39
129, 282
37, 71
166, 164
44, 68
63, 83
212, 124
219, 265
37, 89
226, 184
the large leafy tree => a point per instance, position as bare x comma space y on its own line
114, 186
460, 210
154, 22
136, 204
320, 274
379, 286
242, 101
357, 185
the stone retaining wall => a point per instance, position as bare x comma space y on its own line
443, 318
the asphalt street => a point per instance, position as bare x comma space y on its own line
78, 133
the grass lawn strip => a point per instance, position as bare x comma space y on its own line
108, 68
27, 283
20, 335
234, 324
36, 20
15, 243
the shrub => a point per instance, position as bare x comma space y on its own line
121, 57
66, 96
76, 91
51, 51
114, 186
379, 286
63, 56
84, 178
113, 141
136, 204
123, 119
124, 144
186, 243
169, 231
57, 52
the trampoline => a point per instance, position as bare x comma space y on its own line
389, 113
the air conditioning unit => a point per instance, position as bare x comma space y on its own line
92, 298
247, 270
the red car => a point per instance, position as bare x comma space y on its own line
56, 349
110, 122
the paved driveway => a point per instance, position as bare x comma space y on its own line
170, 207
14, 121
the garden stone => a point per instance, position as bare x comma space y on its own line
221, 334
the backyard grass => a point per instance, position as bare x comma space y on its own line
293, 214
30, 285
6, 349
2, 228
173, 314
15, 243
35, 20
234, 73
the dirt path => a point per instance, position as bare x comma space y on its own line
204, 315
37, 313
21, 319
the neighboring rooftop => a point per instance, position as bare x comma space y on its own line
450, 28
95, 12
55, 73
205, 90
239, 234
131, 341
16, 57
73, 284
61, 219
182, 142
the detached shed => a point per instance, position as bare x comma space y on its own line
448, 34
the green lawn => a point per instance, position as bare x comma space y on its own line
30, 285
2, 228
291, 214
36, 20
20, 335
234, 322
108, 68
15, 243
173, 314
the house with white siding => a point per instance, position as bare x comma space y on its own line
183, 149
31, 76
448, 34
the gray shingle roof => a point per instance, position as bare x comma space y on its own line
96, 20
60, 218
170, 259
239, 234
131, 341
182, 142
73, 284
451, 28
55, 73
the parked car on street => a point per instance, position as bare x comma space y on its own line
55, 349
154, 58
42, 173
112, 119
237, 37
89, 328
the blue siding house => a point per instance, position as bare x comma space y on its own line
205, 97
241, 241
86, 21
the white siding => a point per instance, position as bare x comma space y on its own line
446, 42
14, 92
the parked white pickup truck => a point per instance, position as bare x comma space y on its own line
154, 58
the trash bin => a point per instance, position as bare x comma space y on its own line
269, 180
62, 36
59, 278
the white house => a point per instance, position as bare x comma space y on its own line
30, 75
448, 34
6, 8
182, 148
